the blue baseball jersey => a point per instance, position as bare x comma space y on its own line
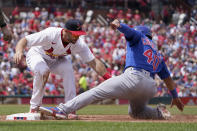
141, 53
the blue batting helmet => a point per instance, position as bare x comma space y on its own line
144, 30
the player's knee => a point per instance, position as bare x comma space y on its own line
133, 114
41, 69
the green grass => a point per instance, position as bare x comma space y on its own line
94, 126
95, 110
123, 110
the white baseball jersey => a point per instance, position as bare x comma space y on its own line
45, 47
48, 43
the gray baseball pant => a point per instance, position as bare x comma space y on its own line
133, 85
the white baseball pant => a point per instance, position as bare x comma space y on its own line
40, 67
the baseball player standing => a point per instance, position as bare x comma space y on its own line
47, 52
136, 84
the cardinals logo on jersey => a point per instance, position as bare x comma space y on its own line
49, 52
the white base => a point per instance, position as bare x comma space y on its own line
24, 116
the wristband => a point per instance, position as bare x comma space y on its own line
174, 93
106, 76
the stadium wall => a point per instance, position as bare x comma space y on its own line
20, 99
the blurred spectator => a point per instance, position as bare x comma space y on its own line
15, 12
37, 12
78, 14
82, 84
68, 14
137, 17
58, 14
128, 15
44, 14
50, 87
182, 17
120, 15
7, 35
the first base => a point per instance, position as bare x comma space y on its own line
24, 116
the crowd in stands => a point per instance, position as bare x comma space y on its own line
176, 40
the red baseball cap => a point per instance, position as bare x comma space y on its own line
75, 27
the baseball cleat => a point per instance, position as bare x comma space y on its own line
165, 114
53, 111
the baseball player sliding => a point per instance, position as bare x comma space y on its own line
47, 52
136, 84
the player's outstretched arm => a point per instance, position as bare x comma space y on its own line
171, 86
19, 50
99, 67
130, 34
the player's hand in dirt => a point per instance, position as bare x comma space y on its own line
178, 103
115, 24
18, 57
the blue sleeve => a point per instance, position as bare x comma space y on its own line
130, 34
164, 73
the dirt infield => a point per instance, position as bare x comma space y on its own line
126, 118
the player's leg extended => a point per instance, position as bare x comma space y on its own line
41, 71
116, 87
138, 104
140, 110
124, 86
63, 67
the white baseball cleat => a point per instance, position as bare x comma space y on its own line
165, 114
